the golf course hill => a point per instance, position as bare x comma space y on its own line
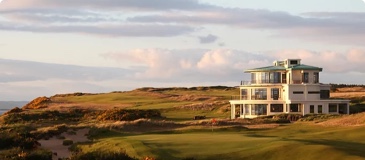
175, 123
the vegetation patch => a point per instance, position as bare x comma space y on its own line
127, 115
40, 102
102, 155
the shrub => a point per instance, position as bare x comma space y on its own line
318, 117
127, 115
39, 154
17, 137
17, 153
101, 155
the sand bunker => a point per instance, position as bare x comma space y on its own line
55, 144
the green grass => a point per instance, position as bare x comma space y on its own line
294, 141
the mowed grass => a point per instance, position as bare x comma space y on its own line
292, 141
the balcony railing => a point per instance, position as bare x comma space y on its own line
258, 97
258, 82
255, 97
245, 83
270, 82
238, 97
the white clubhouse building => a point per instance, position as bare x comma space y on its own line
286, 87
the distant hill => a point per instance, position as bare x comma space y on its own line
11, 104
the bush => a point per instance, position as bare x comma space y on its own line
101, 155
67, 142
17, 153
127, 115
39, 154
49, 115
318, 117
17, 137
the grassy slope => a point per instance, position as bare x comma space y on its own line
297, 141
293, 141
168, 101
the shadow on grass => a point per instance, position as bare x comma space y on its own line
350, 148
162, 153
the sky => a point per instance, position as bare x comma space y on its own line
49, 47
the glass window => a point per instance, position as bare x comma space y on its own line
247, 109
316, 77
295, 108
276, 108
259, 94
319, 108
272, 77
243, 94
292, 62
332, 107
342, 108
305, 77
275, 94
259, 109
311, 109
253, 78
277, 77
325, 94
298, 92
283, 78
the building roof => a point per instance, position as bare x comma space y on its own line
282, 68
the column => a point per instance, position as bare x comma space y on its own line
233, 111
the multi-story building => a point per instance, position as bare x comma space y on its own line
286, 87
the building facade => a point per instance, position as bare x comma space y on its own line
286, 87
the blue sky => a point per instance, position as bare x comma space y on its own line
51, 46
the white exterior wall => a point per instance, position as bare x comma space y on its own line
294, 83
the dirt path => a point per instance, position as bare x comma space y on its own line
60, 151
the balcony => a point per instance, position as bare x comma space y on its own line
238, 97
259, 97
243, 83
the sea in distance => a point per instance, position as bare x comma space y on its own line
8, 105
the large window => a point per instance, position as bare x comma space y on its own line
293, 62
253, 78
311, 109
266, 77
315, 77
332, 107
259, 94
305, 77
243, 94
342, 108
247, 109
275, 94
325, 94
295, 108
259, 109
320, 109
276, 108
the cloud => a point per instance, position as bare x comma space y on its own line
208, 39
193, 65
160, 18
164, 68
109, 4
23, 71
127, 30
222, 65
337, 27
330, 61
